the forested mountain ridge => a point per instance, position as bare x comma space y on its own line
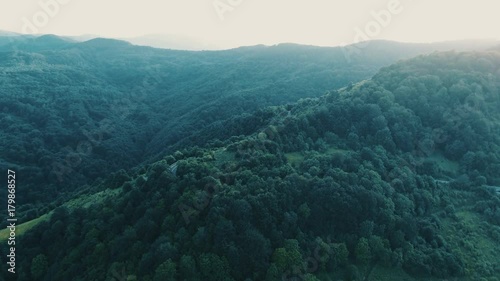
75, 111
392, 178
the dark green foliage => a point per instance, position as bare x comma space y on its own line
166, 271
39, 266
214, 268
74, 112
363, 251
358, 178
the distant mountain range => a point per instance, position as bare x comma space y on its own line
176, 42
179, 42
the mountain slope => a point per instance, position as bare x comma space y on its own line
393, 177
75, 111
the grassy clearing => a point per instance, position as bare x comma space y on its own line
333, 150
472, 238
449, 167
223, 156
84, 201
24, 227
294, 158
87, 200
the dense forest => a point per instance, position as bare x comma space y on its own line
392, 178
73, 112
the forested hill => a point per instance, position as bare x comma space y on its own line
73, 112
393, 178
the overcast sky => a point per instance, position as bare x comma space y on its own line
231, 23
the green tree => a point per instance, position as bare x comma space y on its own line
288, 256
272, 273
380, 249
363, 252
341, 253
39, 266
280, 259
214, 268
187, 268
166, 271
304, 211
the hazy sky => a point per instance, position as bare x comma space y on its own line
230, 23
